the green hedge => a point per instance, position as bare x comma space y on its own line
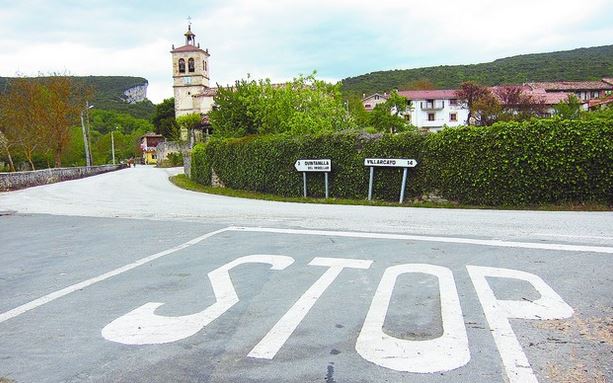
266, 164
540, 161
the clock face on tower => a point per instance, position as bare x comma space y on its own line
187, 80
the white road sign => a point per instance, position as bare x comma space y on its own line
313, 165
391, 162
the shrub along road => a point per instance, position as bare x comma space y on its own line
202, 288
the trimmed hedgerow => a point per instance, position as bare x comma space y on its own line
512, 164
266, 164
539, 161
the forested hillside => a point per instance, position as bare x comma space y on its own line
108, 94
577, 64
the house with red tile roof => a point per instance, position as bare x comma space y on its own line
373, 100
434, 109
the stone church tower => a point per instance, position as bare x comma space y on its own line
190, 72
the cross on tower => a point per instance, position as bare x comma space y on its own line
189, 20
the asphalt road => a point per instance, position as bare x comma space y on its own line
124, 278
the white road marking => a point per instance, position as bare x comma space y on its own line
498, 312
445, 353
572, 236
143, 326
78, 286
268, 347
468, 241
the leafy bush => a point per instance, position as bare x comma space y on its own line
304, 105
511, 163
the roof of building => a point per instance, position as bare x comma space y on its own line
432, 94
382, 95
537, 94
189, 48
151, 134
600, 101
551, 98
207, 92
571, 85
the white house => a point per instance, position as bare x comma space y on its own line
373, 100
434, 109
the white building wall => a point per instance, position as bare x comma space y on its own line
442, 112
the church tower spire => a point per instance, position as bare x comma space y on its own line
190, 37
190, 72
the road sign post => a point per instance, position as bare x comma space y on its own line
389, 163
321, 166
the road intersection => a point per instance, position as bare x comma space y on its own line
210, 294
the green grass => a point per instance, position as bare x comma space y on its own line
184, 182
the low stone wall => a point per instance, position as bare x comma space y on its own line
165, 148
21, 180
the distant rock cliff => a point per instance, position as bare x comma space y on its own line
135, 94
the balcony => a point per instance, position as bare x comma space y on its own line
433, 105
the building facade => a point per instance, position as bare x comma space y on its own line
434, 109
373, 100
191, 79
148, 145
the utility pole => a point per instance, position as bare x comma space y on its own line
113, 144
87, 159
89, 142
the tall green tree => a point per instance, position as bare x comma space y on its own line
387, 116
304, 105
164, 119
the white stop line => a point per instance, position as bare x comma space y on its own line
447, 352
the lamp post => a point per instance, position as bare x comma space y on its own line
88, 154
113, 144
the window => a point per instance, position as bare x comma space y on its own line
367, 106
594, 94
453, 102
190, 65
430, 116
204, 65
376, 97
453, 116
181, 66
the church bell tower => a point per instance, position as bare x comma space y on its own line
190, 72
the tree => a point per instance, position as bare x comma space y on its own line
63, 100
387, 116
569, 109
304, 105
8, 136
164, 119
23, 111
518, 105
359, 115
472, 95
186, 123
423, 84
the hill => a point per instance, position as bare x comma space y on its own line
577, 64
110, 94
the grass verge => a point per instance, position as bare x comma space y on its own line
184, 182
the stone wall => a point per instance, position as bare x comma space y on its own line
21, 180
167, 147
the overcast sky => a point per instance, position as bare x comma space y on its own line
281, 39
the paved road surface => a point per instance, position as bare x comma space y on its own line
189, 287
